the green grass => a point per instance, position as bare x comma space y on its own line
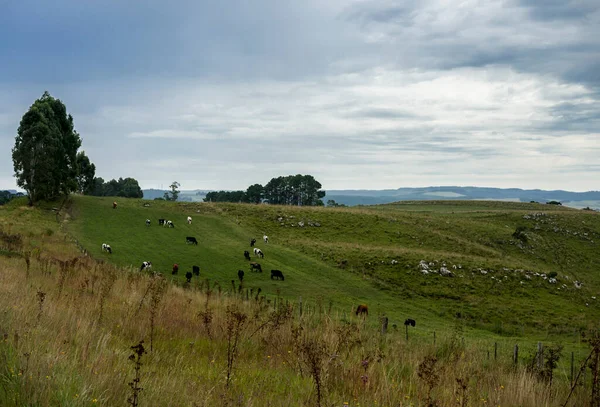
347, 259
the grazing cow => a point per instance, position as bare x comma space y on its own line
255, 266
106, 248
189, 220
196, 270
169, 224
410, 322
161, 222
188, 277
246, 254
241, 275
363, 310
146, 266
191, 239
266, 238
175, 268
259, 253
147, 222
114, 205
252, 242
277, 274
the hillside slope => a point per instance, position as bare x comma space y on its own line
391, 257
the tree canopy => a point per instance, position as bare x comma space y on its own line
127, 188
45, 151
301, 190
86, 172
173, 193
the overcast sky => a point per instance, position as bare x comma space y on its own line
361, 94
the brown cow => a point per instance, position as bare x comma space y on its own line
362, 309
114, 205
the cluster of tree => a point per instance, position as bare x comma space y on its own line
171, 195
301, 190
6, 196
45, 152
47, 162
333, 203
127, 188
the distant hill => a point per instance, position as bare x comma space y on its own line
353, 197
371, 197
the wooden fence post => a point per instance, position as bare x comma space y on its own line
384, 325
540, 356
434, 338
300, 307
516, 354
495, 350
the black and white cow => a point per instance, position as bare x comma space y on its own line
241, 275
196, 270
169, 224
192, 240
410, 321
161, 222
277, 274
266, 238
246, 254
189, 220
188, 277
252, 242
147, 222
259, 253
106, 248
146, 266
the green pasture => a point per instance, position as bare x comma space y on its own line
345, 258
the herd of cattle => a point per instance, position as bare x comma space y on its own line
254, 266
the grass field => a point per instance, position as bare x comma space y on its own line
347, 260
67, 328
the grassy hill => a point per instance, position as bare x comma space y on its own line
499, 283
69, 320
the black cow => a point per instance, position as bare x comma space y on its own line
255, 266
252, 242
196, 270
191, 239
246, 254
277, 274
161, 222
175, 268
188, 277
241, 275
410, 322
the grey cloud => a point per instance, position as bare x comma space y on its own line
554, 10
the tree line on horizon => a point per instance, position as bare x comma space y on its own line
299, 190
47, 160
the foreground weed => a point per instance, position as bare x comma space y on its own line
314, 354
235, 324
136, 357
41, 296
107, 284
427, 372
157, 292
